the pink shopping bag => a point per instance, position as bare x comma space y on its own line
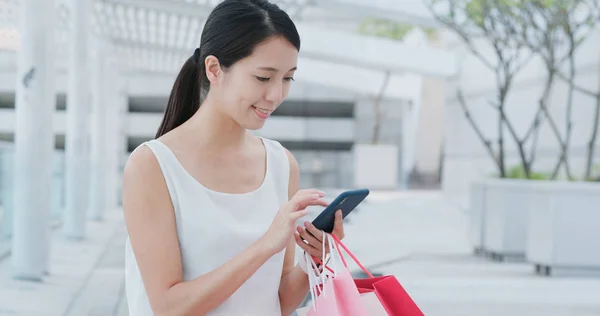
392, 296
333, 290
339, 297
337, 291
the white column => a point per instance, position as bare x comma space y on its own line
35, 104
118, 146
100, 133
122, 146
7, 192
110, 131
76, 138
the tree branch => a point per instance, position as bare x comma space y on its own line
377, 106
592, 141
486, 142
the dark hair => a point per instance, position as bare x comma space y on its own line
231, 32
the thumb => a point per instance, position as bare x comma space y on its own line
338, 225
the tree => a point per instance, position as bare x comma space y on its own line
473, 20
554, 30
550, 29
390, 30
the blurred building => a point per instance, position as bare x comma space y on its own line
103, 71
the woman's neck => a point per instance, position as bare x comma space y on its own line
211, 128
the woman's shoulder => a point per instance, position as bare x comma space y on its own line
280, 149
142, 168
287, 166
142, 157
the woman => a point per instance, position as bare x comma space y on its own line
211, 209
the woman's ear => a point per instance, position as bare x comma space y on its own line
213, 69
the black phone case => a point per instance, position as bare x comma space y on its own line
346, 201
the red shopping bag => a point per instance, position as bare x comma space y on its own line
391, 294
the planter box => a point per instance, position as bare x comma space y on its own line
552, 224
376, 166
498, 214
476, 216
564, 226
505, 221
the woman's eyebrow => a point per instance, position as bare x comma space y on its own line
274, 69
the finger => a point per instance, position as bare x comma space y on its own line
311, 191
304, 202
338, 225
300, 201
302, 194
297, 215
312, 240
318, 234
306, 247
307, 195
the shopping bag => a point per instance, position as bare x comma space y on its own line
333, 290
369, 299
391, 294
373, 304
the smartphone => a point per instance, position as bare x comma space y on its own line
347, 201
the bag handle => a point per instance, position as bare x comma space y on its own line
338, 243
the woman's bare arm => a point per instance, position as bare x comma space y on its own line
294, 282
151, 225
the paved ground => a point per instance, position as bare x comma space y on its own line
86, 278
443, 276
418, 237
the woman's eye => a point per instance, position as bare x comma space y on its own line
289, 79
263, 79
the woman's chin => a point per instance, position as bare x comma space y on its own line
254, 125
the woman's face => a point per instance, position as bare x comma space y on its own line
251, 89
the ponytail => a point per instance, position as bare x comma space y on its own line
185, 96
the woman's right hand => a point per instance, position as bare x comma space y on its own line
283, 226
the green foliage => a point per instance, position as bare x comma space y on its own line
518, 172
387, 29
476, 12
595, 174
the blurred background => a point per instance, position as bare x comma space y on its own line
474, 123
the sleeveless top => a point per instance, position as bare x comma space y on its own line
214, 227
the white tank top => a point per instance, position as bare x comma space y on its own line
214, 227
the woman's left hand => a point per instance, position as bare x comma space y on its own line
313, 243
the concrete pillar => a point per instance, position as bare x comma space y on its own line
121, 137
35, 104
102, 101
78, 99
112, 133
7, 192
122, 146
